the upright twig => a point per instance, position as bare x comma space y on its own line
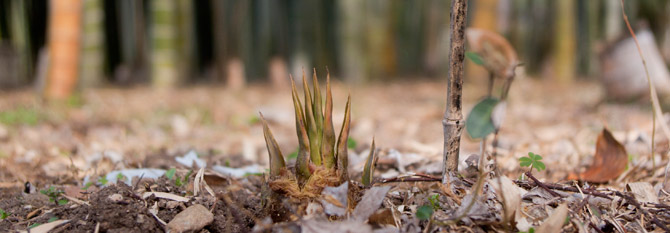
453, 116
656, 107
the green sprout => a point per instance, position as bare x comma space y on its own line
55, 195
3, 214
103, 180
532, 161
435, 201
170, 173
424, 212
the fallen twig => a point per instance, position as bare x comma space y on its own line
542, 185
637, 205
565, 188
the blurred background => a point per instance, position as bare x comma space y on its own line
62, 46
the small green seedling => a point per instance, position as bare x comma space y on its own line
530, 230
103, 180
120, 177
351, 143
170, 173
435, 201
532, 161
3, 214
182, 181
424, 212
87, 185
55, 195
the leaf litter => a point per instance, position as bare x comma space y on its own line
623, 202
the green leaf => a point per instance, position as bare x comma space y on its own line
62, 202
539, 166
34, 225
170, 173
474, 57
479, 123
52, 219
3, 214
103, 180
533, 160
424, 212
351, 143
120, 177
87, 185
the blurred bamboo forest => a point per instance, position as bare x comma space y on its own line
61, 45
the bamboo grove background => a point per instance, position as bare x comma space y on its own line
61, 45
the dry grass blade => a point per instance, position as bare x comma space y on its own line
302, 161
318, 115
310, 123
276, 158
656, 107
342, 153
369, 169
328, 141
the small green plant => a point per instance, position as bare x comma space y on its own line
179, 181
3, 214
351, 143
532, 161
103, 180
120, 177
170, 173
20, 116
435, 201
87, 185
424, 212
321, 159
530, 230
55, 195
182, 181
34, 225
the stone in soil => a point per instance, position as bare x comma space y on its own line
192, 218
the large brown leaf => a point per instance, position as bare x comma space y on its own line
609, 161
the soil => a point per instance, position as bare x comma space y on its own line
141, 128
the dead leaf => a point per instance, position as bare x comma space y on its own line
505, 188
555, 222
609, 161
327, 226
44, 228
164, 195
643, 192
334, 199
370, 202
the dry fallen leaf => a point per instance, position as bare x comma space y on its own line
44, 228
643, 192
370, 202
609, 161
555, 222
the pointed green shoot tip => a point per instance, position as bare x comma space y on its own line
302, 160
369, 169
342, 153
276, 158
328, 141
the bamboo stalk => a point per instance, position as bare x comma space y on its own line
453, 117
